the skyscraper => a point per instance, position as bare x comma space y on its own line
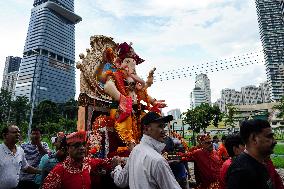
47, 71
175, 113
203, 82
249, 95
10, 74
202, 92
271, 25
197, 97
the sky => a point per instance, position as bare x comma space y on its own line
166, 34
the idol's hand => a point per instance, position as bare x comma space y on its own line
160, 103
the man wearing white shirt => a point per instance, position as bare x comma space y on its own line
12, 159
146, 168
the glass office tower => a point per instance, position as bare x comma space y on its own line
271, 25
47, 71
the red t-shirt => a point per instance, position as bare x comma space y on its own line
275, 177
223, 172
207, 167
67, 176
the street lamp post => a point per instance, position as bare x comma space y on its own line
182, 123
33, 94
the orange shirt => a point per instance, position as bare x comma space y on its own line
222, 152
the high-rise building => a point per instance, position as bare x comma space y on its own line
229, 96
10, 73
175, 113
265, 92
202, 92
47, 71
271, 25
197, 97
249, 95
203, 82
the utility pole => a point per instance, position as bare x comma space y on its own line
33, 94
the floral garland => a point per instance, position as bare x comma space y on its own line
119, 81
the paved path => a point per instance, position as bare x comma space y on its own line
281, 173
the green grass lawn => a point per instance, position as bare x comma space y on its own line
278, 161
279, 149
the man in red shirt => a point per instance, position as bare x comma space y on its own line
74, 172
234, 146
207, 164
222, 152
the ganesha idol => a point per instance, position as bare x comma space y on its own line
116, 75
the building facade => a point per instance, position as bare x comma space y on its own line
271, 25
229, 96
265, 92
202, 92
249, 95
175, 113
47, 71
260, 111
10, 73
203, 82
197, 97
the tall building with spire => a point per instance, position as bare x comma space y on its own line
271, 25
47, 71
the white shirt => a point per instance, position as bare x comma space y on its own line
10, 166
146, 168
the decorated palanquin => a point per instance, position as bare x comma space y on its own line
113, 98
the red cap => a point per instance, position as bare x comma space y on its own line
79, 136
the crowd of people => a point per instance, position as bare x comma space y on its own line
160, 161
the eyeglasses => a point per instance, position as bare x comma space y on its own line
78, 144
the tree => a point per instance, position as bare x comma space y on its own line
50, 129
230, 116
68, 125
53, 117
5, 106
69, 109
280, 108
201, 117
46, 112
217, 115
20, 110
190, 118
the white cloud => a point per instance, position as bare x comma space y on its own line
168, 34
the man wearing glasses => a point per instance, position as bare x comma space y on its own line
12, 159
74, 172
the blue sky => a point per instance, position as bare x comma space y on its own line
167, 34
